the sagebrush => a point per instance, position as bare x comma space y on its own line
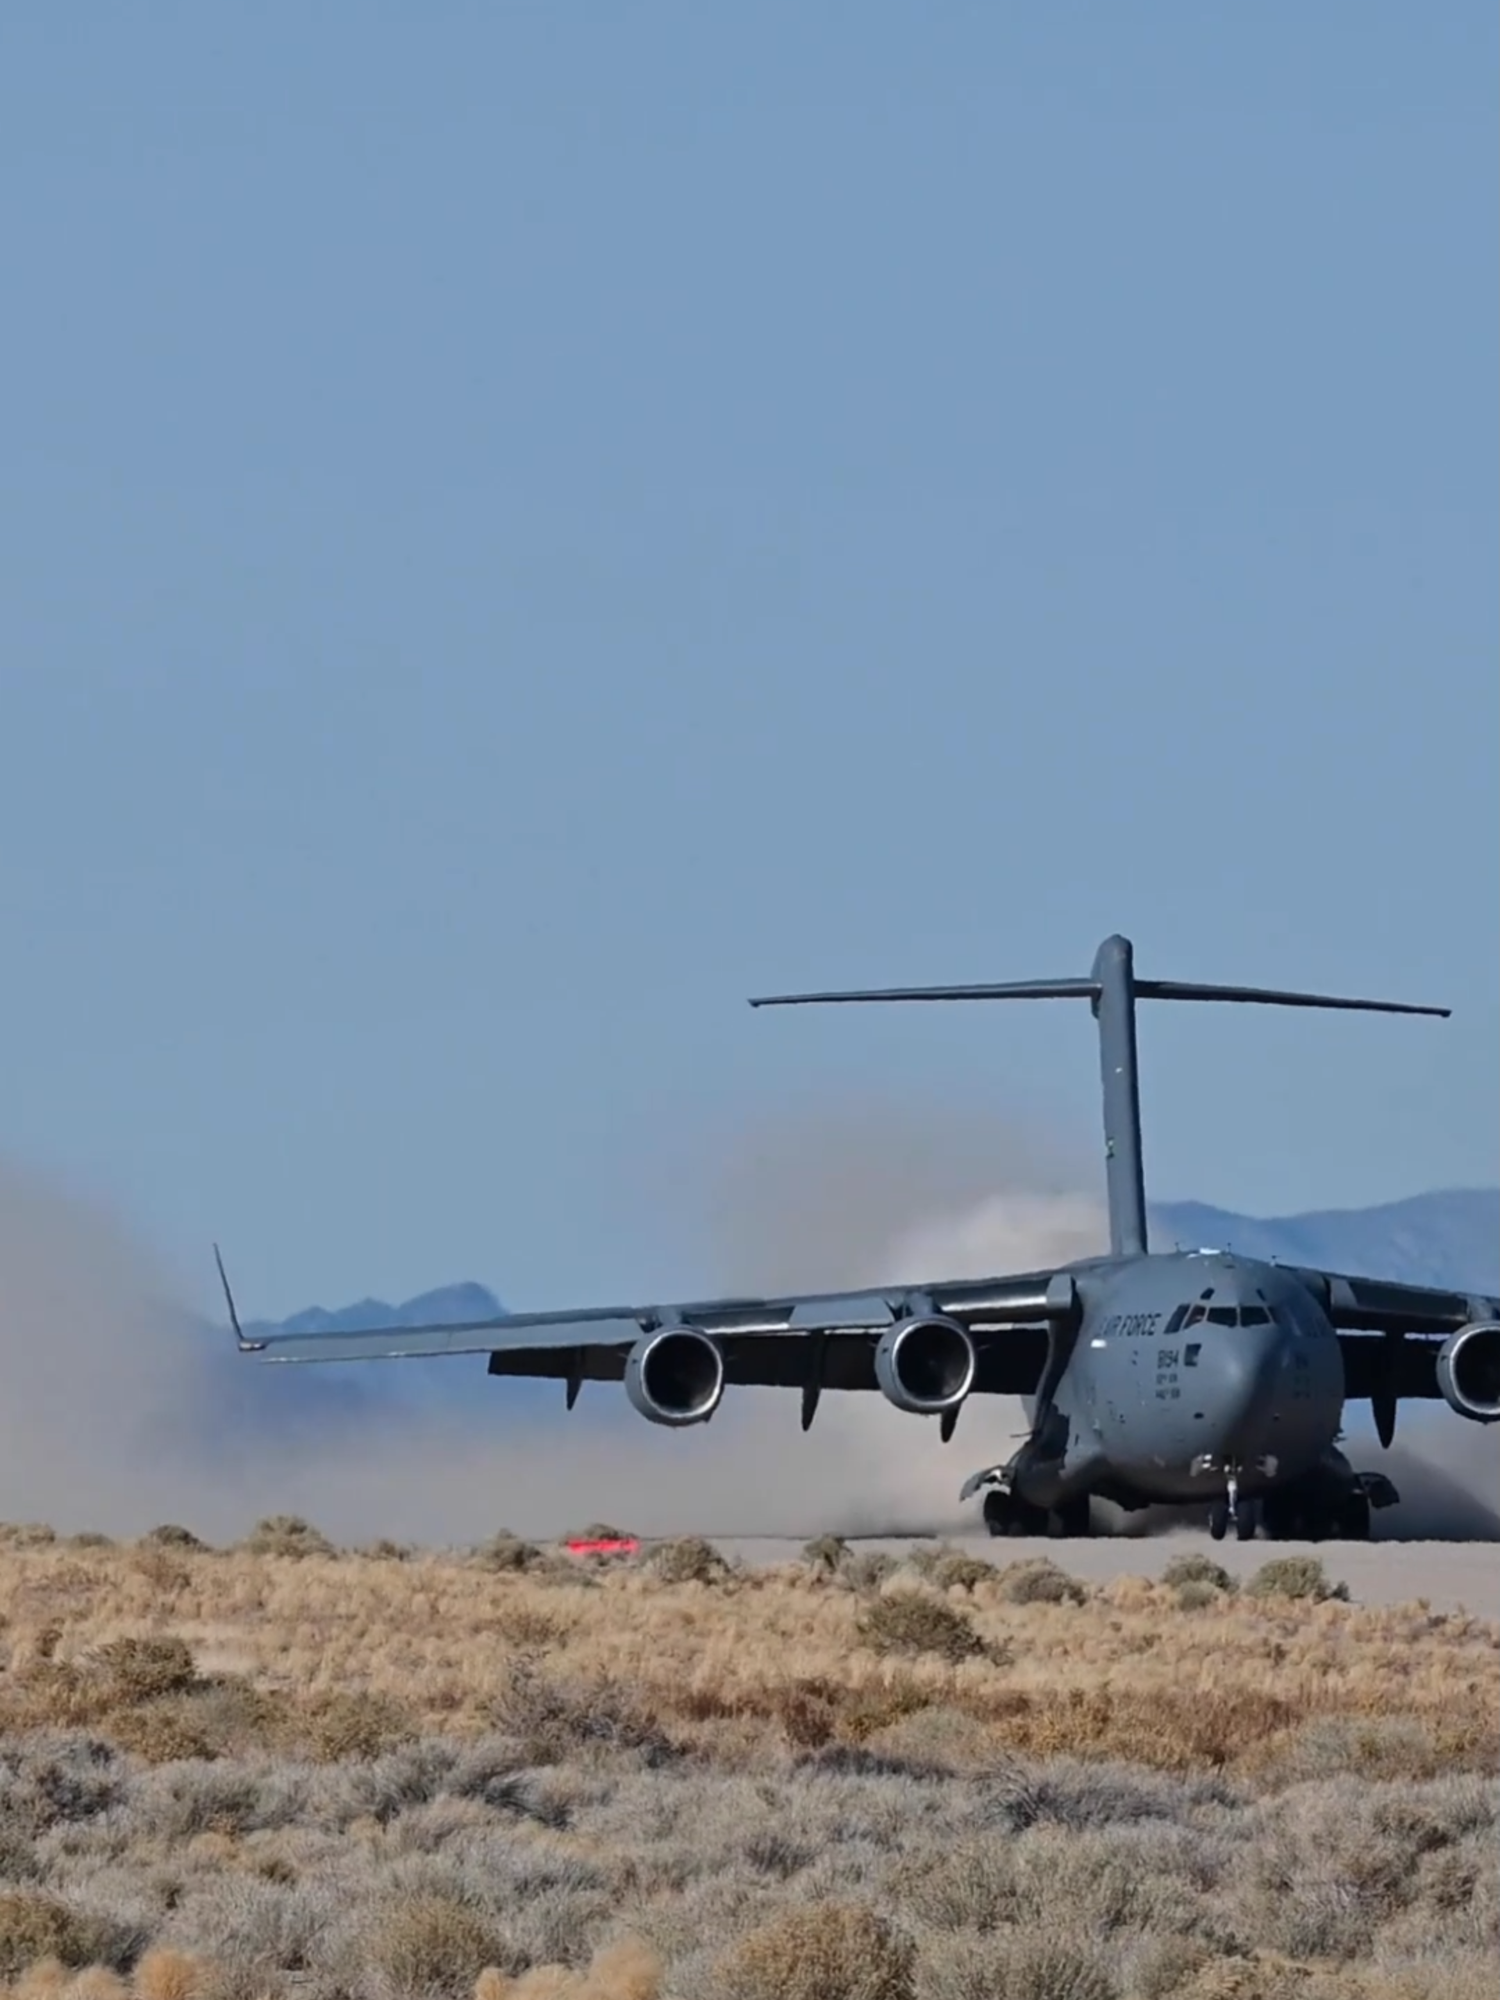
283, 1771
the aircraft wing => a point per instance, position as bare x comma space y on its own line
1392, 1335
1377, 1305
809, 1341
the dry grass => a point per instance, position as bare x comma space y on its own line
281, 1770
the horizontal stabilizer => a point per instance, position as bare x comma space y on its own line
1267, 996
1090, 989
1018, 989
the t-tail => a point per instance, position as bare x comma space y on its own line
1112, 990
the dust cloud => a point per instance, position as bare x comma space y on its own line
122, 1404
1447, 1472
867, 1191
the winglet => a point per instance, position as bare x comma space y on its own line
245, 1346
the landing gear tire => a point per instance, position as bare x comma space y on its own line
1072, 1521
1008, 1514
1354, 1517
1243, 1515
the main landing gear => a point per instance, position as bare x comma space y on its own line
1009, 1515
1309, 1514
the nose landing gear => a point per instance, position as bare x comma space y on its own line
1242, 1511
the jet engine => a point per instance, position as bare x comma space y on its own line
925, 1366
1468, 1372
675, 1376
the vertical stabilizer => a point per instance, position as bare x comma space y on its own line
1124, 1161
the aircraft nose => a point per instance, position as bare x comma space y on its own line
1242, 1369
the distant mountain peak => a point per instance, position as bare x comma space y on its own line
457, 1305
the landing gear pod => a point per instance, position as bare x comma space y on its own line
925, 1366
1468, 1372
675, 1376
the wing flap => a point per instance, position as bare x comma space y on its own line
1379, 1305
1395, 1366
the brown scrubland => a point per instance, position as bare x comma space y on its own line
283, 1769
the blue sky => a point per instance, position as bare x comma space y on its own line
524, 525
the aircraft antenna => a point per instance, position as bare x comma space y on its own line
1112, 990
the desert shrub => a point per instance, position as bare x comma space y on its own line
1182, 1570
172, 1975
948, 1568
347, 1723
824, 1951
687, 1559
907, 1621
287, 1535
826, 1554
1197, 1595
505, 1552
26, 1535
137, 1670
1383, 1747
530, 1628
868, 1569
956, 1570
385, 1550
425, 1944
122, 1675
1038, 1580
164, 1732
601, 1531
554, 1719
95, 1982
164, 1569
90, 1538
1296, 1576
170, 1536
18, 1861
1023, 1966
35, 1926
1162, 1967
965, 1885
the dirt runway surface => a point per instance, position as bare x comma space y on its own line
1449, 1576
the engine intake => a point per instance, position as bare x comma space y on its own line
1468, 1372
675, 1376
925, 1366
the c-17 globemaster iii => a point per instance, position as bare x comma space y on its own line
1148, 1377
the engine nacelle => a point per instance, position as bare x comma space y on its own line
925, 1366
1468, 1372
675, 1375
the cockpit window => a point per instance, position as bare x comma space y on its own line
1221, 1316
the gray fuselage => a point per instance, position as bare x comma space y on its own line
1187, 1368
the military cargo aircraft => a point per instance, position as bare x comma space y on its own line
1195, 1378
